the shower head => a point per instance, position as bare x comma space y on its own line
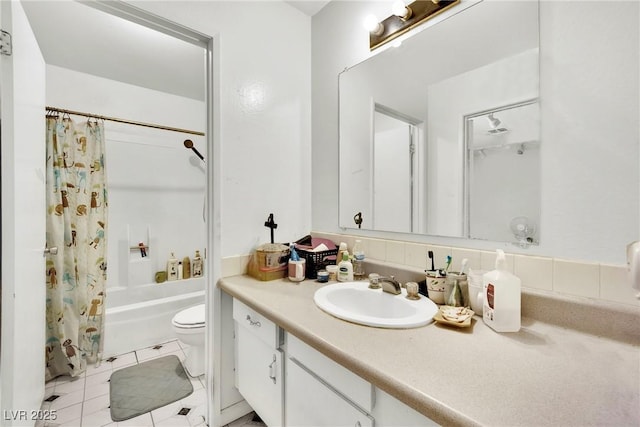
189, 144
493, 121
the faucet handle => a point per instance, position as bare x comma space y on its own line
412, 291
373, 281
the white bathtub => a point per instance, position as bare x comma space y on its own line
136, 325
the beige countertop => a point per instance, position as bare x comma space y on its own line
542, 375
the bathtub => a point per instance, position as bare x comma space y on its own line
133, 326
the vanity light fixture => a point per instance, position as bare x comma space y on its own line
404, 18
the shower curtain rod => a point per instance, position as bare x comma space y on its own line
129, 122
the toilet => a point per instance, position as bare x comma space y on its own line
189, 326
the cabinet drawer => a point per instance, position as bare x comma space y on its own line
256, 323
346, 382
310, 402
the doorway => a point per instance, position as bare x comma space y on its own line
144, 21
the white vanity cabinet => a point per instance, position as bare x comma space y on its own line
301, 387
259, 367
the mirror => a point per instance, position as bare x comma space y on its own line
410, 132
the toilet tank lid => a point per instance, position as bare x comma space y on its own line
191, 316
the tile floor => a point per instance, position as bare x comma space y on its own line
84, 401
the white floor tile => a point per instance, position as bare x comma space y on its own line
96, 390
69, 386
175, 421
143, 420
124, 360
69, 415
93, 369
67, 399
95, 405
97, 419
101, 378
165, 412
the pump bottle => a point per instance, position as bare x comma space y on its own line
501, 291
345, 268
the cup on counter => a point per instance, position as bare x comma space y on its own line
297, 269
435, 288
456, 290
475, 290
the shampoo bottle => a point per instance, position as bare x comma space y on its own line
186, 267
501, 291
172, 268
196, 266
345, 268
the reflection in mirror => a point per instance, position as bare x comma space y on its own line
482, 58
395, 138
503, 173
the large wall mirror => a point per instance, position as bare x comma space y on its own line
442, 132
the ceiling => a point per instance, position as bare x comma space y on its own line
310, 7
75, 36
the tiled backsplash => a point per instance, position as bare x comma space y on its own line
582, 279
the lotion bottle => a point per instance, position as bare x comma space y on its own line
345, 268
172, 268
501, 291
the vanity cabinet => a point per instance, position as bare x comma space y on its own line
259, 367
296, 385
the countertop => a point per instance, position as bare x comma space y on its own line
543, 375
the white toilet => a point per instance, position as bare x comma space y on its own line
189, 326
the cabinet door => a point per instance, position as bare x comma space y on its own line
259, 373
309, 402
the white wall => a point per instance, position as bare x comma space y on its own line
265, 101
589, 91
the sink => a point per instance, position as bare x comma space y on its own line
355, 302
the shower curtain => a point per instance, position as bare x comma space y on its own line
77, 227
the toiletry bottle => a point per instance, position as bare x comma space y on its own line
358, 260
341, 250
186, 267
501, 291
345, 268
180, 270
172, 268
197, 265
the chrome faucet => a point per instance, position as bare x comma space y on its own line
390, 285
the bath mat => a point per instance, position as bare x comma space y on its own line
141, 388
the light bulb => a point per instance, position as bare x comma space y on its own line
401, 10
372, 25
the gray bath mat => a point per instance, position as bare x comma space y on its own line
146, 386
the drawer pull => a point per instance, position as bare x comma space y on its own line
253, 322
272, 369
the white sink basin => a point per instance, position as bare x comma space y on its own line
355, 302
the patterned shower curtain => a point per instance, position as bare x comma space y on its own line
77, 227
